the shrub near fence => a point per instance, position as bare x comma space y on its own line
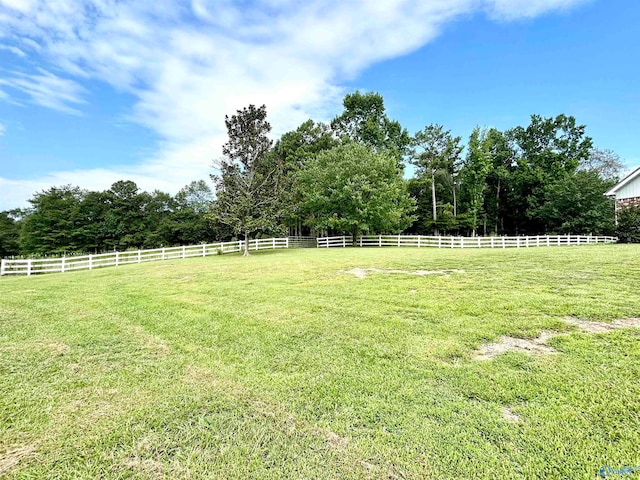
89, 262
462, 242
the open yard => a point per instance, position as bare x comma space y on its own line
326, 363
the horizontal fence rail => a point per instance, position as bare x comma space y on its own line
326, 242
88, 262
462, 242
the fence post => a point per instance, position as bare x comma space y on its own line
344, 241
548, 241
517, 242
28, 267
361, 240
183, 251
398, 240
379, 240
287, 243
492, 238
451, 241
419, 237
504, 243
439, 241
117, 258
163, 253
478, 242
90, 261
537, 240
3, 266
139, 257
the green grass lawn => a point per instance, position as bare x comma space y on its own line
281, 365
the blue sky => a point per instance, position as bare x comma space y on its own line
93, 92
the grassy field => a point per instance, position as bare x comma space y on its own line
284, 366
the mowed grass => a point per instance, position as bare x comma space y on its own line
283, 366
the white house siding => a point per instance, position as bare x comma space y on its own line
630, 190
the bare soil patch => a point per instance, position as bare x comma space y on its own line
512, 344
539, 345
11, 458
336, 441
602, 327
509, 416
363, 272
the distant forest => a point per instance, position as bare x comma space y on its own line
343, 177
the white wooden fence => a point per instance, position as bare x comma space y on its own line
327, 242
88, 262
84, 262
462, 242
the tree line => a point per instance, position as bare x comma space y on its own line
343, 177
68, 219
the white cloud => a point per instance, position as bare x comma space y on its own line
22, 6
509, 9
46, 89
14, 50
190, 63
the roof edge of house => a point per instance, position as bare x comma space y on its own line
635, 173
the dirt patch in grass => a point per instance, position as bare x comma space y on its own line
511, 344
539, 345
602, 327
12, 458
363, 272
509, 416
336, 441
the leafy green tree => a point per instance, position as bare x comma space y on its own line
190, 223
309, 139
9, 235
499, 179
248, 195
365, 121
549, 150
628, 229
353, 189
124, 223
288, 156
577, 204
435, 152
475, 170
159, 222
196, 196
89, 232
49, 228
